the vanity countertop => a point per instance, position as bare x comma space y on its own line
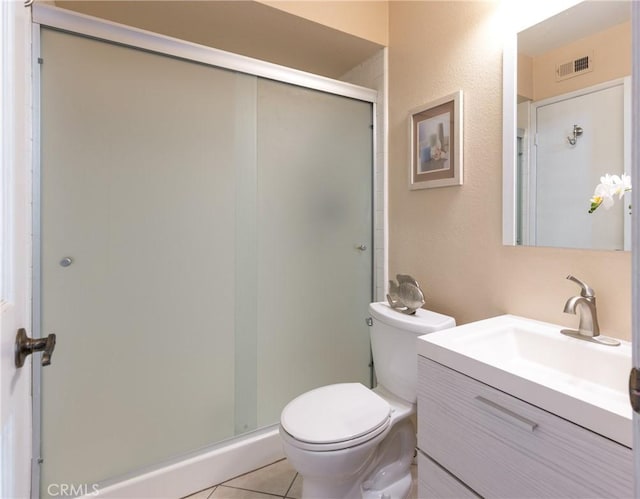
581, 381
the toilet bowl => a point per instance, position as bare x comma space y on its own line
349, 441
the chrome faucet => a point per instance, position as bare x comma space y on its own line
585, 305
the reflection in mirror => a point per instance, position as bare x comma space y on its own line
572, 126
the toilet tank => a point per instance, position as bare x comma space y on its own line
393, 343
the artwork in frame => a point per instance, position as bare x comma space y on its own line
436, 143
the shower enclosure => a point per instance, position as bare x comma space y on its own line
205, 253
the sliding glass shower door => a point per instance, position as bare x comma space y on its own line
205, 253
314, 239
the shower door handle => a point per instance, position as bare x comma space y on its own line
25, 346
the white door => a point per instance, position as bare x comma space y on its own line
15, 257
635, 275
566, 174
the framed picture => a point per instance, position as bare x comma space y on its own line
436, 143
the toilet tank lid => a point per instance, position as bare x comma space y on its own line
334, 413
422, 322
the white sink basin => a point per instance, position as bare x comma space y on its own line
578, 380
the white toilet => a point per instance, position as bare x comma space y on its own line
348, 441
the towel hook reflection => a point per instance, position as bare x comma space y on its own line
577, 132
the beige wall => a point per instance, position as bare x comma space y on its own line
363, 18
450, 238
611, 51
525, 77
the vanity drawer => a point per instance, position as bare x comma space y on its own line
501, 446
434, 482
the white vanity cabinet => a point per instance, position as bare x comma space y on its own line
476, 441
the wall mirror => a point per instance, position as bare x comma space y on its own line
567, 119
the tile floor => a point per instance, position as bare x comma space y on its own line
275, 480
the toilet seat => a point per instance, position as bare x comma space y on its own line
335, 417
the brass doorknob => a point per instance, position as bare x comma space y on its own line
26, 346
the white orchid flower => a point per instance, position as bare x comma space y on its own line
624, 185
609, 186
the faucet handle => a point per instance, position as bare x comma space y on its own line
587, 291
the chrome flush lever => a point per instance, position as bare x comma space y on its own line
26, 346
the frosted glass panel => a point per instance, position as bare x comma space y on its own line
214, 222
138, 189
314, 210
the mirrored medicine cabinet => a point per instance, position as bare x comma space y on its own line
566, 123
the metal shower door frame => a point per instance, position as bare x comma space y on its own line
64, 20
